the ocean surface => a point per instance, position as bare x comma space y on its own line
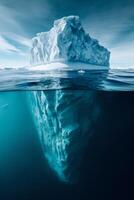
108, 80
97, 105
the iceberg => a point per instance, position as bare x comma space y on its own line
57, 113
67, 41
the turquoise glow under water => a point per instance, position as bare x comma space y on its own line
24, 170
16, 127
55, 118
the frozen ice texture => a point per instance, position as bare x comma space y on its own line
68, 41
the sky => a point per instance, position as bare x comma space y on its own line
110, 22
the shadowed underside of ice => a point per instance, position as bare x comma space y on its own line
67, 41
65, 120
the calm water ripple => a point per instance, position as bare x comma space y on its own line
109, 80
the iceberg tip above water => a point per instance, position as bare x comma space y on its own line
67, 41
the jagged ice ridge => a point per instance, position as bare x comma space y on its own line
67, 41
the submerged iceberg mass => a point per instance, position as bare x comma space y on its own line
67, 41
63, 133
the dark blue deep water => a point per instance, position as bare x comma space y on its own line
106, 169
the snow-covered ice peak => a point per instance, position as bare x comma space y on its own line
68, 41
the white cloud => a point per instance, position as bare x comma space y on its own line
21, 40
9, 24
14, 37
5, 46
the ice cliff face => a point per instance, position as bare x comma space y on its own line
68, 41
65, 119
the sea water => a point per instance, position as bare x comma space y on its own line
66, 135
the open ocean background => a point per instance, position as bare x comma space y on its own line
107, 168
